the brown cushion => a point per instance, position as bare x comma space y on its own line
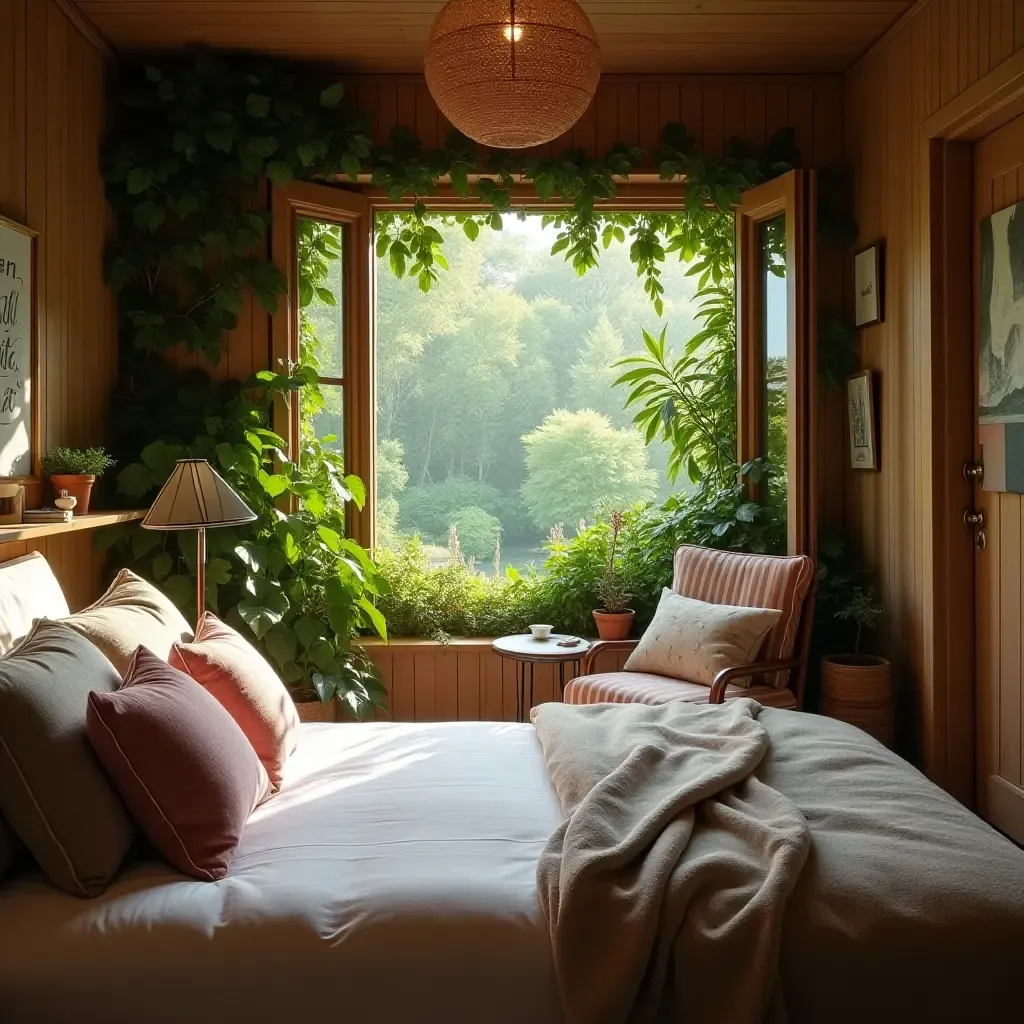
132, 613
53, 791
181, 763
227, 665
644, 688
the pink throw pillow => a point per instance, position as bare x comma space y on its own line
180, 762
230, 668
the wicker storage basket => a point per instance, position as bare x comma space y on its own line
858, 689
315, 711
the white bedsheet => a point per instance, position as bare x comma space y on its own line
393, 879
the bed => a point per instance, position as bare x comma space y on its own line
393, 879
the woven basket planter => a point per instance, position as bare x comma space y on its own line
857, 689
315, 711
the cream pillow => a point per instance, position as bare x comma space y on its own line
131, 614
693, 640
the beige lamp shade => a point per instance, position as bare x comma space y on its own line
513, 73
196, 496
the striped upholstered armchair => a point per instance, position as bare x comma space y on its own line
722, 577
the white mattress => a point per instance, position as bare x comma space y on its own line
391, 879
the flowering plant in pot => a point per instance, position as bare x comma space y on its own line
614, 618
75, 470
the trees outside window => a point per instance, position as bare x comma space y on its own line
510, 358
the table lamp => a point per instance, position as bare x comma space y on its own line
196, 497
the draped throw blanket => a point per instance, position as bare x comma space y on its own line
665, 887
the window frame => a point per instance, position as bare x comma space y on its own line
791, 195
351, 211
356, 208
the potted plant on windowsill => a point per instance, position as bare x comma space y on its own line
857, 687
614, 619
75, 470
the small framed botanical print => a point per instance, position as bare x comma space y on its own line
860, 400
868, 286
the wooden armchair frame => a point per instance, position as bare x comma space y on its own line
796, 666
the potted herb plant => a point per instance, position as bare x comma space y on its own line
857, 687
75, 470
614, 618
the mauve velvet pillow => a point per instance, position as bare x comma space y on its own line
180, 762
230, 668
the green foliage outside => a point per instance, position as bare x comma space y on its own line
576, 462
478, 531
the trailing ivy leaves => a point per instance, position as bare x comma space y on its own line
192, 139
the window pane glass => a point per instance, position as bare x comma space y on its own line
496, 410
328, 422
322, 296
776, 343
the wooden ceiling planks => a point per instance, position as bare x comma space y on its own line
389, 36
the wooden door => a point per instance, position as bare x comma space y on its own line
999, 397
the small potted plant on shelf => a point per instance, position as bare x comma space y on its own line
857, 687
614, 618
75, 470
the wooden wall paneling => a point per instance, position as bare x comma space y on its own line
52, 118
934, 58
491, 689
650, 118
468, 672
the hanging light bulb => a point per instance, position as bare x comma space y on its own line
513, 73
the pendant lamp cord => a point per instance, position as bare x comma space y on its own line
512, 19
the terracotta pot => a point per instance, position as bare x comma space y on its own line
78, 485
315, 711
614, 625
857, 689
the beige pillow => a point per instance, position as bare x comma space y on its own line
694, 640
131, 614
53, 791
28, 591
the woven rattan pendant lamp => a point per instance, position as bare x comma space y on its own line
513, 73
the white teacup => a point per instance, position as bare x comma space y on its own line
541, 632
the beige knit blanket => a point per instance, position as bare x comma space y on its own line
665, 887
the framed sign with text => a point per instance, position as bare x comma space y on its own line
19, 400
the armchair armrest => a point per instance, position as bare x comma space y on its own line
757, 668
601, 647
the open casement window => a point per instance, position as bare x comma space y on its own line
321, 243
775, 351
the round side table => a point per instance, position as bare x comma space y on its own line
526, 652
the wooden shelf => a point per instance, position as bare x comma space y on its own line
92, 521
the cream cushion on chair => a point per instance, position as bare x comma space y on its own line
28, 591
131, 614
695, 640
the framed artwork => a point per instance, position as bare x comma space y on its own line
867, 277
1001, 350
860, 400
19, 407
